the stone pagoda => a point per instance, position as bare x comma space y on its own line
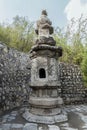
44, 101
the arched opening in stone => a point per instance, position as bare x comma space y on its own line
42, 73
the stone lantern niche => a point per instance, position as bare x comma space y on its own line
44, 101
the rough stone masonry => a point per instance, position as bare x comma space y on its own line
15, 76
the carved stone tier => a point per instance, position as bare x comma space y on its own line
45, 112
45, 84
44, 40
45, 47
46, 119
45, 102
44, 72
47, 92
46, 51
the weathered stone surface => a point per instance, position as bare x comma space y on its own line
72, 88
69, 128
55, 52
45, 40
45, 102
15, 74
51, 76
6, 127
11, 118
44, 75
16, 126
44, 27
14, 77
53, 127
45, 111
77, 120
45, 119
30, 126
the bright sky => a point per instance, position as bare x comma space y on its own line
59, 11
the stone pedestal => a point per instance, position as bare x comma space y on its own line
46, 119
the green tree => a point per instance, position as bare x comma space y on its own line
84, 66
72, 39
61, 40
19, 34
4, 33
22, 34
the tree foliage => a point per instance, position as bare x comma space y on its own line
84, 66
19, 34
74, 42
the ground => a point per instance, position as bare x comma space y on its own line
77, 120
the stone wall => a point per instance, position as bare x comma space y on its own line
14, 78
72, 87
15, 70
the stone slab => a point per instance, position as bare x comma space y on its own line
10, 118
53, 127
6, 127
17, 126
69, 128
30, 126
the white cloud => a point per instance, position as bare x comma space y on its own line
75, 8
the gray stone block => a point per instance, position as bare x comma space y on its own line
6, 126
53, 127
30, 126
16, 126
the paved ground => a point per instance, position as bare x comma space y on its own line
77, 120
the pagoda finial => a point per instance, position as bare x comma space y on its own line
44, 25
44, 12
